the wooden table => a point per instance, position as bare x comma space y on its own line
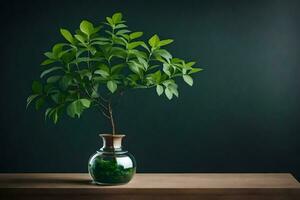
151, 186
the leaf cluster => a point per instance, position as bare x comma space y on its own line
96, 63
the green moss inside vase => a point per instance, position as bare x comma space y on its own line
111, 170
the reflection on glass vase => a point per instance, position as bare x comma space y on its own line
111, 165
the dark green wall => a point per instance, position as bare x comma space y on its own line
242, 115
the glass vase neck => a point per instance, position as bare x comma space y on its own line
112, 143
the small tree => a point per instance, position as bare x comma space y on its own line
99, 63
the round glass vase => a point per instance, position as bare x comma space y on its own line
112, 165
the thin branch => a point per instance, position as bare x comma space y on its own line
108, 117
111, 118
103, 112
102, 105
103, 99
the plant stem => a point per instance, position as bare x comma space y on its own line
111, 118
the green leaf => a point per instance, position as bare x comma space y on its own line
53, 79
30, 99
66, 81
103, 39
166, 69
67, 35
195, 70
87, 27
123, 31
120, 40
135, 67
173, 88
117, 68
97, 29
163, 53
80, 39
47, 62
47, 112
100, 43
37, 87
110, 21
143, 63
104, 67
118, 52
101, 72
138, 53
49, 70
74, 109
80, 51
177, 60
165, 42
175, 92
135, 35
85, 102
57, 97
77, 107
120, 26
39, 103
50, 89
154, 41
159, 90
168, 93
50, 55
190, 64
68, 57
157, 76
188, 79
55, 116
62, 53
116, 18
79, 60
133, 45
57, 49
112, 86
145, 46
53, 113
85, 73
95, 93
92, 50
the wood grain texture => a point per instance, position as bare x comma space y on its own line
184, 186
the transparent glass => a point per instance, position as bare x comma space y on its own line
111, 165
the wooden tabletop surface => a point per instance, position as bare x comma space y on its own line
186, 186
149, 180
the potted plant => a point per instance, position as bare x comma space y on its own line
93, 67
